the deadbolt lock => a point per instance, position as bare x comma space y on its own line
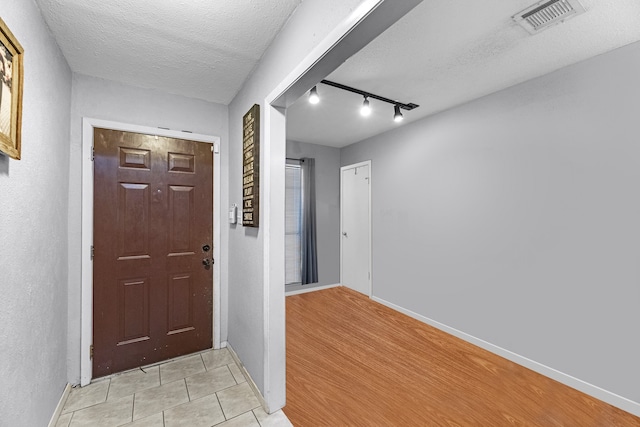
206, 248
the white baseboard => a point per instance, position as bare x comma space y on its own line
61, 403
313, 289
590, 389
252, 384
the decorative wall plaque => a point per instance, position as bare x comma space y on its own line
251, 167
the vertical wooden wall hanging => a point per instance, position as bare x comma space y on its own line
251, 167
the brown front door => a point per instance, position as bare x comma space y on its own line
153, 233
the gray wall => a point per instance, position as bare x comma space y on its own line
33, 231
327, 208
515, 218
107, 100
308, 25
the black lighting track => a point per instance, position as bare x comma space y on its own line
410, 106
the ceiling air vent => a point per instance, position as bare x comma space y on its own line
547, 13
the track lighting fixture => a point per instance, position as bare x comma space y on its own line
313, 95
397, 115
366, 109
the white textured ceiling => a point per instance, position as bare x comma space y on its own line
448, 52
197, 48
442, 54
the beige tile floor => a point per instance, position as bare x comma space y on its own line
201, 390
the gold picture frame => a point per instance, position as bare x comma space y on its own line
11, 80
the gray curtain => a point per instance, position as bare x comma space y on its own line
309, 247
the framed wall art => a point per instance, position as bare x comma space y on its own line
251, 167
11, 80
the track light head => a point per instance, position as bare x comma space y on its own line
397, 115
313, 95
366, 109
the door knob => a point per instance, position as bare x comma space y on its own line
208, 262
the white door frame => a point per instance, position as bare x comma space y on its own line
367, 21
342, 169
86, 329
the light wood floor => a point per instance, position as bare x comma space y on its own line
354, 362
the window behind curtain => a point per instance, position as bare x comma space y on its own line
293, 224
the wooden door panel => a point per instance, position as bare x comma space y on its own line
180, 303
133, 298
133, 220
153, 297
181, 219
181, 162
135, 158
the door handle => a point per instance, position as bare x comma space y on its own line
208, 262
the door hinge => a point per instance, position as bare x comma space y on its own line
93, 252
93, 153
91, 352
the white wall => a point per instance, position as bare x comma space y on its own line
33, 231
309, 24
108, 100
516, 219
327, 208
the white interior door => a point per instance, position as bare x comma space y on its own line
355, 207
